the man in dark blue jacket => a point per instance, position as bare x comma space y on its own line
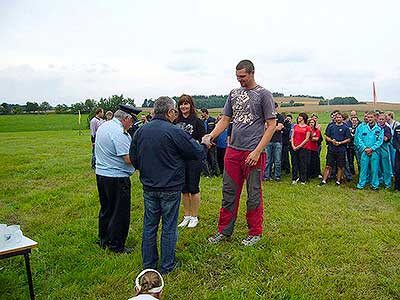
159, 150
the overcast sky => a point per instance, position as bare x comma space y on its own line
68, 51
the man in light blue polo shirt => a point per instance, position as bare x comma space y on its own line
113, 168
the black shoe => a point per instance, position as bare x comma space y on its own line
123, 250
321, 183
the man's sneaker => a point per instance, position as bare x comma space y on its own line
338, 183
320, 176
218, 237
277, 179
295, 181
250, 240
322, 183
185, 222
193, 222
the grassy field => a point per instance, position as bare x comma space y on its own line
319, 243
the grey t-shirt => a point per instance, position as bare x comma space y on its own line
249, 109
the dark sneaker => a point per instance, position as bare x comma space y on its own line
338, 183
250, 240
177, 265
218, 237
322, 183
277, 179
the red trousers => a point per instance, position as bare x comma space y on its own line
236, 171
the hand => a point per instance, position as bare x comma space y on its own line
368, 151
252, 158
279, 127
206, 140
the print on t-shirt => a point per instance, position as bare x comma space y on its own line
241, 107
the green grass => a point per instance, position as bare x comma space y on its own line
319, 243
41, 122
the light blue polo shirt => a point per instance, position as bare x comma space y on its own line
112, 142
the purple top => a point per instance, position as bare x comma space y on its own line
249, 109
94, 125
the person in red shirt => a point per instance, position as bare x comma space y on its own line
300, 155
314, 166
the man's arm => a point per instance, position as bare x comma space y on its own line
127, 160
219, 128
254, 156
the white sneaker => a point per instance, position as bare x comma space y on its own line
185, 222
193, 222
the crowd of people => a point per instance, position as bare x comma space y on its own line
250, 141
371, 144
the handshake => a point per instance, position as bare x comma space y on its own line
206, 140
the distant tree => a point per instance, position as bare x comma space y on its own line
61, 109
90, 105
5, 108
275, 94
32, 107
148, 102
79, 106
17, 109
44, 106
111, 103
340, 101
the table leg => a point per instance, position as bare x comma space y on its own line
28, 272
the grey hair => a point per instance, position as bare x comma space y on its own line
163, 104
121, 115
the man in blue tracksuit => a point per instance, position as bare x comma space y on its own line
368, 139
385, 164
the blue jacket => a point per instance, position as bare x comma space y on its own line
367, 137
159, 150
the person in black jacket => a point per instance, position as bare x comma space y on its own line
159, 151
210, 165
189, 122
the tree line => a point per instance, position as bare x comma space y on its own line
85, 107
111, 103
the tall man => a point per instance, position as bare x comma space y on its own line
113, 168
249, 107
368, 139
210, 167
159, 150
95, 123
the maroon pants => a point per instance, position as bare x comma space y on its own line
235, 172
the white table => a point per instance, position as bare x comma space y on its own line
22, 248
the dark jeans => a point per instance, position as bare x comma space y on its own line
212, 160
158, 205
220, 159
397, 171
93, 159
314, 167
285, 165
300, 160
114, 215
274, 153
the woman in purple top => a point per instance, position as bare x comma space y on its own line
189, 122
